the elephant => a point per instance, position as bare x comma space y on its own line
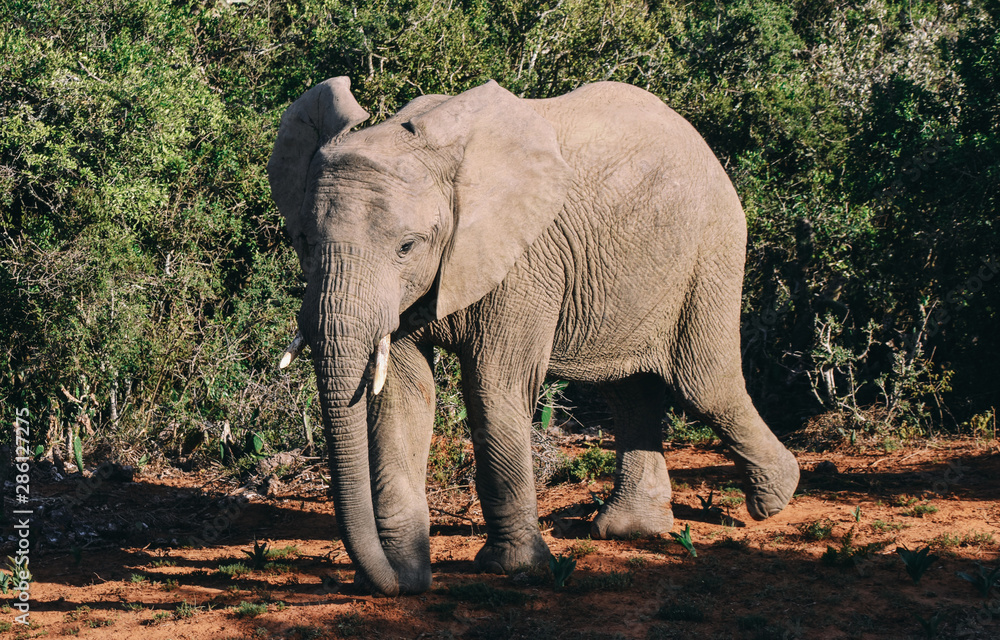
591, 237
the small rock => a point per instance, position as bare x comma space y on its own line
826, 467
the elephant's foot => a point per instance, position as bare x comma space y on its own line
412, 579
769, 488
640, 503
501, 556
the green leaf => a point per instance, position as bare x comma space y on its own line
78, 453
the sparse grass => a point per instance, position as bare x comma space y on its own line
881, 526
731, 496
137, 578
849, 555
235, 570
816, 531
594, 463
582, 548
289, 552
349, 624
636, 562
97, 623
613, 581
186, 610
162, 616
920, 510
164, 562
978, 539
169, 585
249, 609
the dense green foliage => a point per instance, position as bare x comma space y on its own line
148, 286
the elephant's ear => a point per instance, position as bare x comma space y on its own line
319, 115
510, 185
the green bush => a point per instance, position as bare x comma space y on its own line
148, 285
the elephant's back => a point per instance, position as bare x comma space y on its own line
651, 212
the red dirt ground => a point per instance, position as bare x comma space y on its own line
753, 580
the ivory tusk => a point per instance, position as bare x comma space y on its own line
381, 365
293, 350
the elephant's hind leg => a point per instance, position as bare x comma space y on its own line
640, 502
708, 377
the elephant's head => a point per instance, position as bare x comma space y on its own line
397, 224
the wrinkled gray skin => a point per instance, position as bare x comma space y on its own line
593, 237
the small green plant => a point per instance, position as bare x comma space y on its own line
186, 610
816, 531
684, 539
706, 503
849, 555
169, 585
881, 526
917, 562
137, 578
234, 570
549, 398
561, 567
857, 513
349, 624
160, 617
6, 580
903, 500
590, 465
284, 553
21, 571
582, 548
249, 610
78, 453
636, 562
929, 626
731, 497
920, 510
259, 555
164, 562
984, 579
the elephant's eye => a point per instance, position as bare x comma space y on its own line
405, 248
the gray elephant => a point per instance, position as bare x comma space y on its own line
593, 237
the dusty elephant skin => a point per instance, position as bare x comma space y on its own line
593, 236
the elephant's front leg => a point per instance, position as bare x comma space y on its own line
500, 412
400, 422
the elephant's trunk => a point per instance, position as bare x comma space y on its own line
339, 324
346, 427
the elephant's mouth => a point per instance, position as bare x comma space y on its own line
375, 373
